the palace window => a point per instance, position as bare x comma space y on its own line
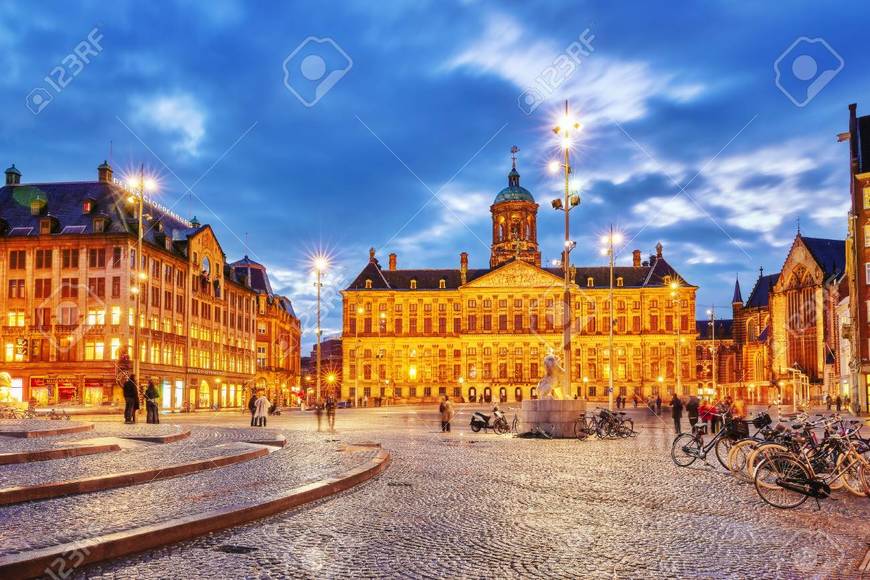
413, 284
368, 283
619, 281
442, 284
590, 282
17, 260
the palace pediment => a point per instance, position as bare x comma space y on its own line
516, 274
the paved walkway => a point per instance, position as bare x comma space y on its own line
464, 505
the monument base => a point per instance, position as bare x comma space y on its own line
556, 417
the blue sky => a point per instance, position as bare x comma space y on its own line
687, 138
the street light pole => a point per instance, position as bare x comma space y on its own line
610, 325
675, 294
317, 388
712, 313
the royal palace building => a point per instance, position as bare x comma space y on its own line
481, 334
69, 285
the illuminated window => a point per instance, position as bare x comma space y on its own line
590, 282
867, 198
368, 283
94, 350
619, 282
15, 318
114, 347
413, 284
116, 317
96, 317
442, 284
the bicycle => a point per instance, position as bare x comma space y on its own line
786, 480
688, 447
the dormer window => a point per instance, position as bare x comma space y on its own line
100, 224
44, 226
368, 283
619, 282
413, 284
37, 205
442, 283
87, 206
590, 282
667, 280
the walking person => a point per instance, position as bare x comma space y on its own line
828, 401
252, 407
658, 405
330, 413
261, 410
677, 413
839, 403
318, 413
635, 401
692, 411
151, 396
446, 410
131, 399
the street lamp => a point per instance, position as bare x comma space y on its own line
675, 296
321, 263
609, 240
138, 186
566, 127
712, 313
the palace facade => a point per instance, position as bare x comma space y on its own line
68, 273
480, 334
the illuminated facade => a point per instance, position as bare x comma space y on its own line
67, 268
472, 334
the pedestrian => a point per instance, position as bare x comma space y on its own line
446, 409
365, 401
252, 407
635, 401
828, 401
677, 413
318, 413
131, 398
261, 410
151, 396
618, 401
692, 411
839, 403
706, 413
330, 413
658, 405
847, 402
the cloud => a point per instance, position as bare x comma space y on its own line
664, 211
180, 115
601, 87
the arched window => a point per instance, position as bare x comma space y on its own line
590, 282
619, 281
442, 284
368, 283
413, 284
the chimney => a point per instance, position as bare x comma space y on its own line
13, 176
463, 266
104, 172
635, 258
659, 250
392, 262
372, 255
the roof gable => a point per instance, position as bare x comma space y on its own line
516, 274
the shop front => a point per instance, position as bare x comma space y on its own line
98, 391
11, 390
54, 390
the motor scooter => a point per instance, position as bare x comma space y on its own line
497, 422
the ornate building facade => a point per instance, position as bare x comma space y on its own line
68, 272
481, 334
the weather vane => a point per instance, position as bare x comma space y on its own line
514, 151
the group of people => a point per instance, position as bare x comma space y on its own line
699, 410
838, 402
131, 401
259, 406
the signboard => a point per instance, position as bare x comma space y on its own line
21, 346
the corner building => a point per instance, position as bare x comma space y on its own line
481, 334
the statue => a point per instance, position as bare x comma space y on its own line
549, 387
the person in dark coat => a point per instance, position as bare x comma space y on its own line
658, 405
677, 413
692, 408
252, 406
151, 396
839, 402
131, 399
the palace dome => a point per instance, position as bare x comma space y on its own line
514, 191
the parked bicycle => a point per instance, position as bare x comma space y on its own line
689, 447
604, 424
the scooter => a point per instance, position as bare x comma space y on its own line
497, 422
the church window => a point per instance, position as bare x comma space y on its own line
867, 198
867, 273
590, 282
368, 283
619, 281
867, 236
442, 284
413, 284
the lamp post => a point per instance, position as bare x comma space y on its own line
712, 323
564, 129
320, 265
675, 295
609, 240
137, 187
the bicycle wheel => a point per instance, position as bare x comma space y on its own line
778, 468
685, 450
626, 428
739, 456
760, 453
852, 477
864, 477
580, 429
502, 427
723, 446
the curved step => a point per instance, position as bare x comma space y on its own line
32, 433
170, 438
57, 559
57, 453
20, 494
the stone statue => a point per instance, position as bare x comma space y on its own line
549, 387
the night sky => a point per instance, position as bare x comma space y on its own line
687, 137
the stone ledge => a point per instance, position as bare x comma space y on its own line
171, 438
59, 453
67, 557
33, 433
12, 495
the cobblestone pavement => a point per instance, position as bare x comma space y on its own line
113, 428
307, 457
464, 505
